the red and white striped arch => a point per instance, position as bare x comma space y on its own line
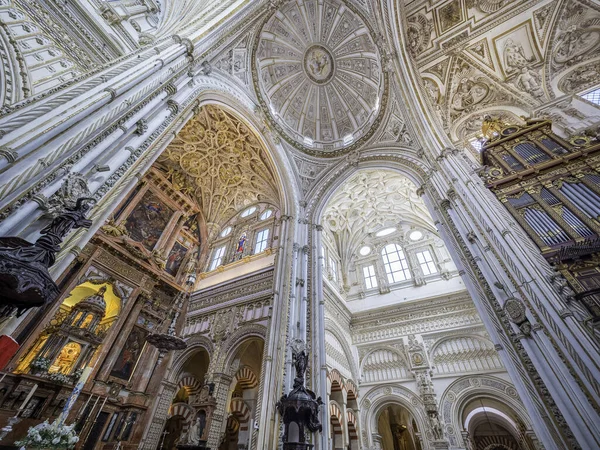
190, 384
184, 410
336, 418
337, 381
240, 410
246, 378
352, 428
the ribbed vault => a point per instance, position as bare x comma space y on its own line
370, 201
219, 161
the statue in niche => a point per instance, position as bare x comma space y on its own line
192, 436
436, 426
514, 57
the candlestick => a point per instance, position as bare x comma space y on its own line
35, 386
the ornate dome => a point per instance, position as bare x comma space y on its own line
318, 75
94, 302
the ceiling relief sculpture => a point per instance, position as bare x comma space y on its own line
510, 57
218, 160
370, 201
318, 75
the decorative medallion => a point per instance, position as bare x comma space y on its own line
318, 64
318, 76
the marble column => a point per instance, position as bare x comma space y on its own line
551, 359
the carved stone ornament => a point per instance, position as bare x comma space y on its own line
515, 310
24, 279
74, 187
300, 406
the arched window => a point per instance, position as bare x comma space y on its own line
395, 263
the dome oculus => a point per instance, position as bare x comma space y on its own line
318, 75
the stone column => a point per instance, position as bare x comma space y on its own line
274, 358
158, 414
219, 418
551, 359
319, 357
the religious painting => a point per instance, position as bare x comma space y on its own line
175, 258
449, 15
148, 220
130, 353
517, 50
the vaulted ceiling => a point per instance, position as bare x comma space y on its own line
218, 160
503, 57
369, 201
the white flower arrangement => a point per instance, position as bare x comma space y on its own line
58, 377
45, 435
40, 363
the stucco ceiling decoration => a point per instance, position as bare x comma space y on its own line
318, 75
219, 161
369, 201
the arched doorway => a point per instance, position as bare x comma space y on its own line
397, 429
246, 364
173, 429
184, 406
492, 425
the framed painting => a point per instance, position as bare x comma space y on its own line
130, 354
175, 258
148, 220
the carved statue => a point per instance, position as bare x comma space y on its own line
436, 426
301, 361
192, 436
301, 406
529, 80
